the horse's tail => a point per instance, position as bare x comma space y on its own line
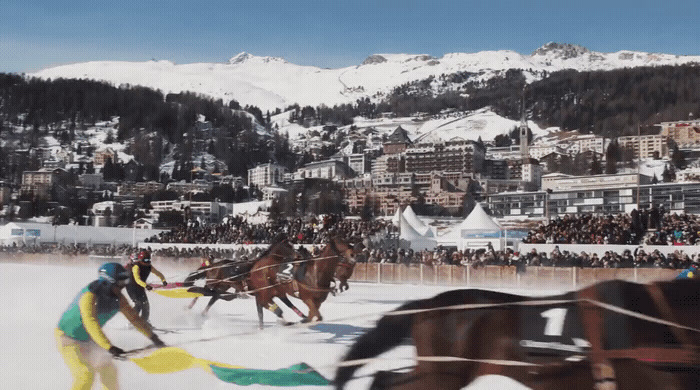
390, 331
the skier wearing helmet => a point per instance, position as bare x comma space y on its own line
138, 273
81, 341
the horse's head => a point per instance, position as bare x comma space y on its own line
302, 253
283, 248
343, 249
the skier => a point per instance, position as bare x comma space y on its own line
137, 286
81, 341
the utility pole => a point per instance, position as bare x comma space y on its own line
639, 161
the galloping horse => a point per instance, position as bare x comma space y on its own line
219, 278
262, 280
226, 274
314, 286
612, 335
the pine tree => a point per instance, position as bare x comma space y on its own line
669, 173
175, 175
612, 156
108, 170
677, 157
596, 169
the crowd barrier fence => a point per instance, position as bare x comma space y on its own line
495, 276
491, 276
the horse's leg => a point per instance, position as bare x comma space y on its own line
191, 305
318, 303
213, 299
289, 304
260, 315
313, 310
344, 285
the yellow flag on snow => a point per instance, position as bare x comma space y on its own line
179, 292
173, 359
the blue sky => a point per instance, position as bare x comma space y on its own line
328, 33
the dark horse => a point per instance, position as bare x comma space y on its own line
219, 277
612, 335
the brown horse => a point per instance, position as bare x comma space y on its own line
224, 275
612, 335
315, 284
263, 283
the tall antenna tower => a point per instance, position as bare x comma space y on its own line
524, 144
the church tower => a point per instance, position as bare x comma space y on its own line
524, 145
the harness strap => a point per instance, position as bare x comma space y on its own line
672, 356
592, 316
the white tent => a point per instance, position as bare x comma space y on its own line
478, 229
417, 224
417, 241
11, 233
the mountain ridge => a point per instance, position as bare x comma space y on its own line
273, 82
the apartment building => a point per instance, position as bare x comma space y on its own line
645, 146
684, 133
450, 156
326, 169
140, 188
266, 175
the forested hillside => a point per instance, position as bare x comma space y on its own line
611, 103
62, 106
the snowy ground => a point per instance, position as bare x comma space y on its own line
35, 295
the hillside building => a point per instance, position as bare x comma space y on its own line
326, 169
183, 187
397, 141
645, 146
5, 193
39, 183
684, 133
266, 175
451, 156
140, 188
101, 156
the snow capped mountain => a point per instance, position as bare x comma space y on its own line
271, 82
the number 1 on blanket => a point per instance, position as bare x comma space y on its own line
555, 321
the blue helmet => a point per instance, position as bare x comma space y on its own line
113, 273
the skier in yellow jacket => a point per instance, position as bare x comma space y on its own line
81, 341
137, 286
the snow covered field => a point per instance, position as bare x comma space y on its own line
34, 296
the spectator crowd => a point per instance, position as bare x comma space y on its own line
653, 227
380, 243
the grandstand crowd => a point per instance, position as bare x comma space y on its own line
238, 231
653, 227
